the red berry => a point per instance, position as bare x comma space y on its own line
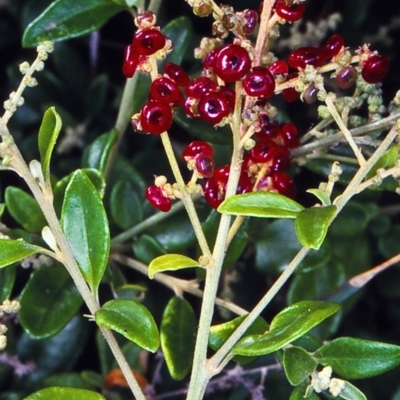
304, 56
205, 165
251, 20
332, 46
232, 63
131, 61
268, 129
284, 184
215, 188
259, 83
148, 41
201, 86
195, 148
279, 159
165, 90
279, 67
260, 153
375, 68
290, 95
289, 135
157, 199
213, 107
229, 94
209, 59
346, 77
292, 13
156, 117
176, 73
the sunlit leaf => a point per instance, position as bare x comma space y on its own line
171, 262
12, 251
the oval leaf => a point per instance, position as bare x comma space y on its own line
24, 209
290, 324
357, 358
261, 204
48, 302
132, 320
63, 393
312, 225
171, 262
298, 365
350, 392
178, 335
96, 155
48, 134
85, 225
12, 251
66, 19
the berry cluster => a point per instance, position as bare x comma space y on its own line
213, 95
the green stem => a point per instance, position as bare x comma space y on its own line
186, 198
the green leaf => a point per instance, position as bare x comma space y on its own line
48, 134
219, 334
12, 251
350, 392
312, 225
66, 19
171, 262
48, 302
387, 160
298, 365
126, 207
299, 393
275, 246
322, 196
178, 335
357, 358
96, 155
132, 320
24, 209
85, 225
261, 204
147, 248
51, 355
290, 324
62, 393
7, 279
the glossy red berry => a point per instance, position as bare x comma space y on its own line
283, 184
195, 148
304, 56
209, 59
279, 159
215, 188
268, 129
289, 135
148, 41
346, 77
261, 152
156, 117
176, 73
259, 83
292, 13
251, 20
165, 90
213, 107
229, 94
232, 63
375, 68
279, 67
131, 61
332, 46
205, 165
157, 199
201, 86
